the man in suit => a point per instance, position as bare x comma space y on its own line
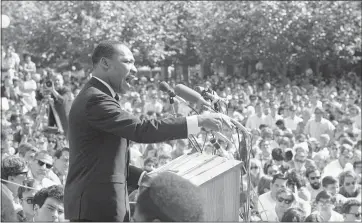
99, 135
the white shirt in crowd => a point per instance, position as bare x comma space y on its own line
292, 123
334, 168
313, 192
266, 207
270, 120
254, 121
316, 129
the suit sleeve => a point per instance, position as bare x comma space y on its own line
104, 113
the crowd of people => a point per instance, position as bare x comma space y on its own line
306, 147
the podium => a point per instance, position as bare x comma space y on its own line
218, 178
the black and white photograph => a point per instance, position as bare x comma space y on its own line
181, 111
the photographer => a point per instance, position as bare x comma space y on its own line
62, 97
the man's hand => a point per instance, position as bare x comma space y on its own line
215, 122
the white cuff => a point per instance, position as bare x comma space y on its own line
141, 177
192, 125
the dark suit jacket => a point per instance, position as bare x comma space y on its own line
99, 134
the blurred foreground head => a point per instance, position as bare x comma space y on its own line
169, 198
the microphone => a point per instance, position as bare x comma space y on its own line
214, 98
190, 95
163, 86
215, 143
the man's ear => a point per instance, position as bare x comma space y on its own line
104, 63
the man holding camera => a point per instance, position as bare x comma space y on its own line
62, 97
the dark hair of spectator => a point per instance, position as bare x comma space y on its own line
264, 183
328, 180
55, 192
279, 122
310, 169
150, 160
295, 179
171, 198
59, 153
267, 165
293, 215
277, 154
104, 49
22, 190
12, 166
13, 117
279, 176
324, 195
315, 217
346, 208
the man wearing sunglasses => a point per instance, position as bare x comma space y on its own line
351, 211
40, 168
26, 196
13, 174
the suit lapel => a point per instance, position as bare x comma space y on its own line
99, 85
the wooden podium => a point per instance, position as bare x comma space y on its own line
218, 178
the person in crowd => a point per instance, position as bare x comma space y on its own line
357, 167
40, 168
264, 184
150, 164
292, 120
255, 120
28, 66
318, 125
300, 162
169, 198
349, 186
331, 185
314, 185
293, 215
351, 211
27, 151
61, 164
8, 213
285, 199
267, 201
27, 92
26, 197
48, 204
273, 116
336, 167
325, 204
13, 174
163, 159
62, 97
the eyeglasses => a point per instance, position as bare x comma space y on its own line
315, 178
41, 163
21, 173
286, 201
350, 183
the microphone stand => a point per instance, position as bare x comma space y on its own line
194, 148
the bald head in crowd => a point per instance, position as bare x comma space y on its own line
169, 198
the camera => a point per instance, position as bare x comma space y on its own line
49, 83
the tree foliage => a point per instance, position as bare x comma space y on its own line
187, 32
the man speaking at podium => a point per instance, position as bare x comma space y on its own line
99, 135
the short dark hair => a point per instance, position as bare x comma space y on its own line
171, 198
324, 195
310, 169
280, 122
346, 208
293, 215
277, 154
295, 179
279, 176
55, 191
104, 49
328, 180
150, 160
59, 153
22, 190
11, 166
